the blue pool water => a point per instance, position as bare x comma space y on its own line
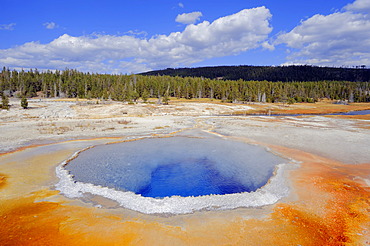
177, 166
182, 180
359, 112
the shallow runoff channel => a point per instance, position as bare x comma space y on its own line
359, 112
177, 175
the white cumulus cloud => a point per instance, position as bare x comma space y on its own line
229, 35
8, 27
50, 25
341, 38
188, 18
359, 5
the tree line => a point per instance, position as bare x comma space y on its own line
74, 84
271, 73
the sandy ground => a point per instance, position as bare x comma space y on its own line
329, 204
342, 138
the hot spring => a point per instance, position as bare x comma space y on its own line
178, 174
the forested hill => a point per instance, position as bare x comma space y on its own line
281, 73
129, 88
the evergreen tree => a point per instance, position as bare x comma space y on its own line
71, 83
145, 96
5, 102
24, 103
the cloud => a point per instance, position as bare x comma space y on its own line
50, 25
136, 33
228, 35
341, 38
359, 6
188, 18
267, 46
181, 5
8, 27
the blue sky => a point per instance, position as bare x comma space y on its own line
140, 35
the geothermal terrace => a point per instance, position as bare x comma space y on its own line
315, 193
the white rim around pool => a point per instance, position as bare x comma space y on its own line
273, 191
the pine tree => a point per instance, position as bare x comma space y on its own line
24, 103
145, 96
5, 102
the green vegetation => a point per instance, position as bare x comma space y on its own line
4, 102
130, 88
24, 103
269, 73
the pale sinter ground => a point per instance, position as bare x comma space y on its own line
346, 140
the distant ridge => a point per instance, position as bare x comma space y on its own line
271, 73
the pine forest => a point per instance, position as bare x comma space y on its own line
131, 88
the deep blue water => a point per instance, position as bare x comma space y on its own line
182, 166
200, 179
